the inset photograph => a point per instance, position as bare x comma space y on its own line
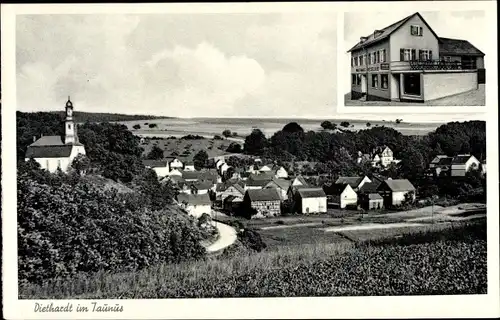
423, 58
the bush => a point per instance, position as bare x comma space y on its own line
192, 137
67, 229
217, 137
153, 125
137, 126
252, 240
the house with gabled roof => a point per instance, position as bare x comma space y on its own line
368, 196
267, 202
354, 182
282, 185
195, 204
463, 163
299, 181
281, 173
201, 187
159, 166
341, 195
310, 200
57, 152
395, 191
408, 61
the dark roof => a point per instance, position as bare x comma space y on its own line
194, 199
48, 141
261, 176
311, 193
62, 151
191, 175
335, 189
387, 31
264, 195
449, 46
202, 185
461, 159
352, 181
155, 163
282, 183
375, 196
257, 183
370, 187
238, 187
445, 161
399, 185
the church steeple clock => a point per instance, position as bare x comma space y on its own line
69, 124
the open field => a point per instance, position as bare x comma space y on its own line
470, 98
187, 149
209, 127
428, 262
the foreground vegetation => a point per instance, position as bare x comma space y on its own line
433, 262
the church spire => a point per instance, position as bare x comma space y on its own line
69, 124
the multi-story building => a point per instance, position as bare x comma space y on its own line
407, 61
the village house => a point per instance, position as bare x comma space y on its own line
235, 189
299, 181
201, 187
191, 176
223, 168
159, 166
341, 195
281, 173
57, 152
189, 166
266, 168
395, 191
281, 185
232, 203
354, 182
408, 61
266, 202
463, 163
195, 204
176, 164
310, 200
174, 172
440, 165
369, 198
184, 187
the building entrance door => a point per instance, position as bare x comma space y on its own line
364, 83
411, 84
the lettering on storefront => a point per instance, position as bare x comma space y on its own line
377, 68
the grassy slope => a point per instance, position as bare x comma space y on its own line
431, 263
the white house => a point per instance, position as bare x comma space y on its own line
159, 166
342, 195
189, 166
281, 173
299, 181
462, 163
53, 152
394, 191
176, 164
195, 204
311, 200
355, 182
266, 168
174, 172
201, 187
281, 184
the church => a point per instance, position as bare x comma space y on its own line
53, 152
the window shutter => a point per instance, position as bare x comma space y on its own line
401, 54
421, 31
413, 54
430, 54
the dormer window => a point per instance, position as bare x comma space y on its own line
416, 30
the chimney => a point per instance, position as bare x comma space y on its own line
363, 39
377, 33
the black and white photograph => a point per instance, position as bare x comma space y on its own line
425, 58
174, 160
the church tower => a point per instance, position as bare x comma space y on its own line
69, 125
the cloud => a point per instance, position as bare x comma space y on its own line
167, 65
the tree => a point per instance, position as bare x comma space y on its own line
156, 153
81, 164
368, 124
345, 124
234, 147
235, 134
200, 159
399, 121
153, 125
136, 126
292, 127
226, 133
327, 125
255, 143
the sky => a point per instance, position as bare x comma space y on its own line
467, 25
186, 65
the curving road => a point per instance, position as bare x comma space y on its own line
227, 236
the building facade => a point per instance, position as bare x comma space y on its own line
311, 200
57, 152
407, 61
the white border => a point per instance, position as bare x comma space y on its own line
352, 307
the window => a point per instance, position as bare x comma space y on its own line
374, 80
382, 55
69, 126
372, 58
355, 61
385, 81
358, 79
352, 62
354, 79
378, 57
416, 30
360, 60
425, 54
407, 54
